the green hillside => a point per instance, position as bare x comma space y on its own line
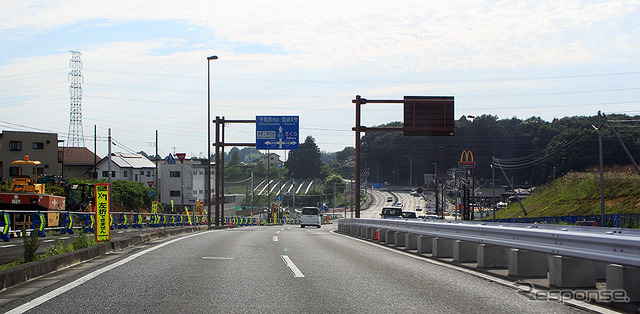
579, 194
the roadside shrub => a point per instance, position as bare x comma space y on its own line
31, 245
82, 241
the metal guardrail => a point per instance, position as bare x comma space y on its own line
609, 245
70, 221
612, 220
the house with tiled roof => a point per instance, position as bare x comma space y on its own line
77, 162
131, 167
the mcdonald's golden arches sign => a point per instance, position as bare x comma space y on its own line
466, 159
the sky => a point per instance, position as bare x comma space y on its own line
144, 64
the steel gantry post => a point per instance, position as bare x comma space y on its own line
217, 174
358, 102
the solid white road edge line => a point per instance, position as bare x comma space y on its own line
569, 302
294, 269
48, 296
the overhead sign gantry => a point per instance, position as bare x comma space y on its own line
423, 116
272, 133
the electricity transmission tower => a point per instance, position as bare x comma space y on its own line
76, 136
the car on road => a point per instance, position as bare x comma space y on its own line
391, 213
399, 204
419, 208
311, 216
389, 199
431, 210
431, 217
409, 215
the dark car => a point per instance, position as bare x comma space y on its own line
391, 212
409, 215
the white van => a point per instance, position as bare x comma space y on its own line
310, 217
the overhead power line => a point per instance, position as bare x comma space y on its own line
315, 81
526, 161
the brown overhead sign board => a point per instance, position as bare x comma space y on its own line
428, 116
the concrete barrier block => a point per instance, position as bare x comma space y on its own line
382, 235
601, 270
523, 263
400, 239
624, 278
568, 272
424, 244
442, 247
410, 241
491, 256
390, 237
464, 251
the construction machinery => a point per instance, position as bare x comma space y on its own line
27, 194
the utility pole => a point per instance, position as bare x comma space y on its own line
437, 196
109, 167
493, 183
602, 215
155, 177
95, 151
268, 181
351, 186
345, 200
410, 170
334, 195
252, 191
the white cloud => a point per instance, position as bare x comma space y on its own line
286, 46
423, 35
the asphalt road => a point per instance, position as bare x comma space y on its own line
275, 269
409, 203
14, 249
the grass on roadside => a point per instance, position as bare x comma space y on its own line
31, 245
578, 193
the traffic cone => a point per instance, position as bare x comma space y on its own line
376, 238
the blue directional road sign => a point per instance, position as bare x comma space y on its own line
277, 132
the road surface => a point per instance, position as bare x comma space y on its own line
272, 269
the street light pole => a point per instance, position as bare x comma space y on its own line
473, 168
208, 175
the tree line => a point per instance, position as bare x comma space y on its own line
532, 151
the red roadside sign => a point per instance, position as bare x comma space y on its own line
181, 156
150, 183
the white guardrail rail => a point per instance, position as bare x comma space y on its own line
610, 245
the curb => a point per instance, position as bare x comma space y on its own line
22, 273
